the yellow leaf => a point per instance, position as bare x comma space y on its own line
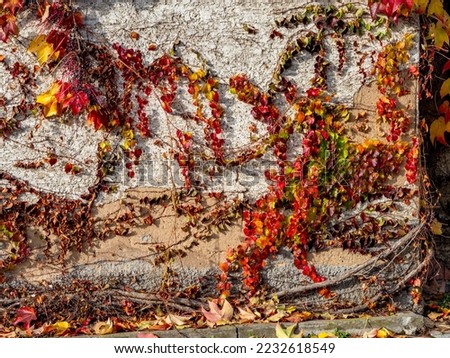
129, 134
52, 110
105, 146
128, 144
445, 88
61, 326
49, 96
103, 327
437, 130
436, 227
326, 335
420, 6
436, 8
280, 332
383, 333
43, 50
200, 73
49, 101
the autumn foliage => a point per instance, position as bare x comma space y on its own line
309, 192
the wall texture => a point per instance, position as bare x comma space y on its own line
228, 38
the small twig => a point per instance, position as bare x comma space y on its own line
182, 304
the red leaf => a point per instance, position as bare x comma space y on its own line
7, 26
446, 66
167, 100
68, 167
98, 118
76, 102
59, 40
52, 160
313, 92
137, 152
74, 20
25, 315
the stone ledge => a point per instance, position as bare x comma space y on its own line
407, 323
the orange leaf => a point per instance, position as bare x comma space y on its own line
12, 5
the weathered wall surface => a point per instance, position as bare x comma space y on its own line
215, 35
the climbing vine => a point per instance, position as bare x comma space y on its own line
310, 194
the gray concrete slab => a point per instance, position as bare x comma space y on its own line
407, 323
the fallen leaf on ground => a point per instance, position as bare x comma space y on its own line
384, 333
288, 332
435, 315
300, 316
326, 335
60, 326
176, 320
216, 314
103, 327
370, 334
246, 315
25, 315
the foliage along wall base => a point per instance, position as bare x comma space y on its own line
143, 160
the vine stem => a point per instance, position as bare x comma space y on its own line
411, 235
397, 287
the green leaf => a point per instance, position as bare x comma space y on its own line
440, 35
288, 332
280, 332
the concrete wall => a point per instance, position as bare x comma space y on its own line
216, 30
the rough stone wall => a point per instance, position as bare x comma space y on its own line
204, 32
